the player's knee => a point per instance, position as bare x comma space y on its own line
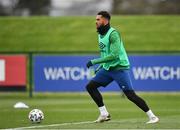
92, 85
131, 95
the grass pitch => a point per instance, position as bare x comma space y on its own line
77, 111
139, 33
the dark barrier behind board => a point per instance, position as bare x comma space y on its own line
69, 73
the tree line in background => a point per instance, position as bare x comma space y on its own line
146, 7
42, 7
29, 7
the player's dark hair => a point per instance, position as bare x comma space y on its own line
105, 14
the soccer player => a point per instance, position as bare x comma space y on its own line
113, 66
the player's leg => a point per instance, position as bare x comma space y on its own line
92, 88
123, 79
131, 95
101, 79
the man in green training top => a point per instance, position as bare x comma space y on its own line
113, 66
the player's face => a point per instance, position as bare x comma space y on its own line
100, 21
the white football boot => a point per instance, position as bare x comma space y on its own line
103, 118
153, 120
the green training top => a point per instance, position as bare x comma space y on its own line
113, 54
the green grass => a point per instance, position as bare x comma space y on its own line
60, 108
140, 33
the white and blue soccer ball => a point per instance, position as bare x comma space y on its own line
36, 116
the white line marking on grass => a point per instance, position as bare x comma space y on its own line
66, 124
52, 125
79, 123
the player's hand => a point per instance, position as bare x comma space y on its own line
89, 64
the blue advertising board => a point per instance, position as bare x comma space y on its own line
69, 73
155, 73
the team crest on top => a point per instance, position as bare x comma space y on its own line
101, 45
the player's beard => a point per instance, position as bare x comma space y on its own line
103, 29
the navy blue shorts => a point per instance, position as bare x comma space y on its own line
121, 77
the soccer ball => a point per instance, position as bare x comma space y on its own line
36, 116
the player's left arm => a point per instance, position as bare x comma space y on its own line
114, 50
